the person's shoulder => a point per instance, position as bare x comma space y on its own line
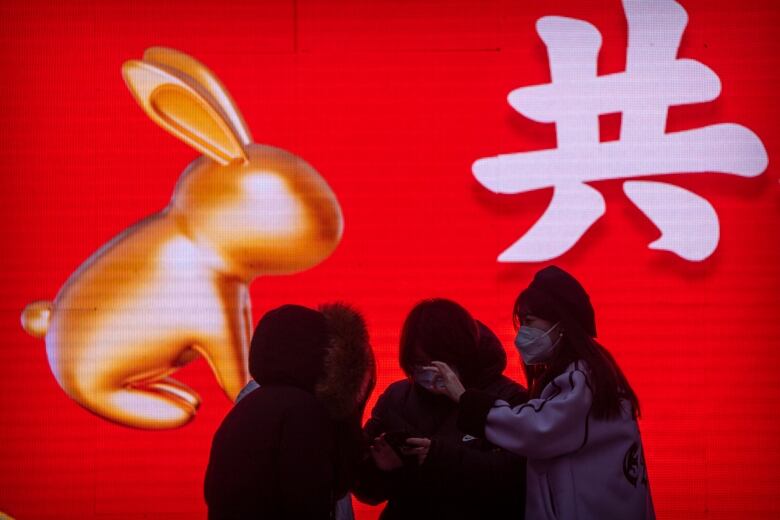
250, 387
280, 398
397, 390
576, 374
393, 397
295, 397
507, 389
297, 406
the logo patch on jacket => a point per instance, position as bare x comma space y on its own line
634, 466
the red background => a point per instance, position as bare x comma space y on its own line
391, 102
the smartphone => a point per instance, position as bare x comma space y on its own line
428, 378
397, 440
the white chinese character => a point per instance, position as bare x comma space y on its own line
653, 81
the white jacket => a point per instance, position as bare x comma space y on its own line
578, 467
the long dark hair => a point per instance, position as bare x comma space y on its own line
439, 330
608, 383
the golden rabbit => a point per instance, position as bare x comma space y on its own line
175, 285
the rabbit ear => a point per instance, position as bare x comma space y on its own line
184, 109
195, 70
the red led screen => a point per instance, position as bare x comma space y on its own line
462, 164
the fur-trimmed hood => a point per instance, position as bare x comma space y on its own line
325, 352
349, 373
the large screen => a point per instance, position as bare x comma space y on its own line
447, 149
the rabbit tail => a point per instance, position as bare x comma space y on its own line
35, 318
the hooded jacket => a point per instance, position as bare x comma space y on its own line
579, 467
462, 476
289, 448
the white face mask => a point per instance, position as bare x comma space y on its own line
535, 345
427, 378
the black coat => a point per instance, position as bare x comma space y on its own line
290, 449
462, 477
273, 457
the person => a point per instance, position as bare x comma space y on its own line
421, 463
579, 430
344, 509
290, 448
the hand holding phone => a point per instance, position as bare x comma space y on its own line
386, 456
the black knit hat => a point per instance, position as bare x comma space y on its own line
566, 295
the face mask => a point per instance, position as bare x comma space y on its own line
427, 378
534, 344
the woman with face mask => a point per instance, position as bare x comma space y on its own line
579, 430
420, 462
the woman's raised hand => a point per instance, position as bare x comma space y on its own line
450, 384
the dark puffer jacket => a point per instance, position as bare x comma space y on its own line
290, 449
462, 477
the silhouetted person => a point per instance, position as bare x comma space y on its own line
579, 430
441, 472
288, 449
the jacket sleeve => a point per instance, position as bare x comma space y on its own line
482, 473
385, 416
306, 463
540, 428
373, 485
